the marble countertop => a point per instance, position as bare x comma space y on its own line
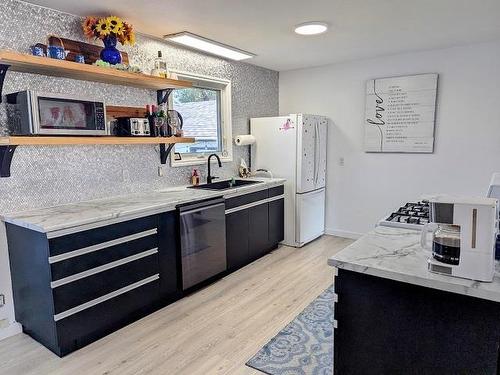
64, 217
396, 254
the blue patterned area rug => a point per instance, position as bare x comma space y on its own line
304, 346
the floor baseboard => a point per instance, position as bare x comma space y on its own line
11, 330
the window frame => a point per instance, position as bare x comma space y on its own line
208, 82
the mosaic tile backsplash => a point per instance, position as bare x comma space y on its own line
47, 176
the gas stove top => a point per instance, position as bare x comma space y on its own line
409, 216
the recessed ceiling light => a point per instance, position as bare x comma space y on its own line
311, 28
215, 48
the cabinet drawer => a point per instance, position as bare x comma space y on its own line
88, 325
275, 191
77, 264
106, 236
69, 294
246, 199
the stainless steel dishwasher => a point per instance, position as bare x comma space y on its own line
203, 240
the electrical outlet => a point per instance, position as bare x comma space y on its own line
341, 161
2, 300
4, 323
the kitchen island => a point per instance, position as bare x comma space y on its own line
392, 316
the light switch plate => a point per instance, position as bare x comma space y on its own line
2, 300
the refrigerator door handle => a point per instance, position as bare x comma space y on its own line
316, 157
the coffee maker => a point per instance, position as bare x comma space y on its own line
464, 233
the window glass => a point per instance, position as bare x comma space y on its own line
200, 109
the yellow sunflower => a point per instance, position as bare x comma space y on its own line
103, 27
116, 24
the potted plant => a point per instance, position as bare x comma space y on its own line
110, 30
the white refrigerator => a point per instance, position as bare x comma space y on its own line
294, 147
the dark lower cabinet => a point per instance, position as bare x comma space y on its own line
72, 290
258, 231
254, 226
237, 224
391, 327
79, 330
276, 221
169, 261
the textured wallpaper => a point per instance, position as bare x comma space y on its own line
47, 176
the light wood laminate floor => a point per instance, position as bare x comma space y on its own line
213, 331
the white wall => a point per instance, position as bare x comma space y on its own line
8, 327
368, 186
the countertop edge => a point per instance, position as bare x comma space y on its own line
415, 280
146, 211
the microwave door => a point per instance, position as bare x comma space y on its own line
64, 116
53, 114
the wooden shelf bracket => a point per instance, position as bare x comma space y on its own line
6, 154
3, 72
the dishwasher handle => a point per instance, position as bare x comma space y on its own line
197, 206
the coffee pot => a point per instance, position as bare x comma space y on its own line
463, 235
445, 242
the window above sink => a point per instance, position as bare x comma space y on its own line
206, 111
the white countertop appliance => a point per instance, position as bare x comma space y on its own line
294, 147
463, 240
494, 192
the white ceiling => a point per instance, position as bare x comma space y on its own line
358, 28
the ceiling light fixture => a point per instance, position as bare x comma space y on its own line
210, 46
311, 28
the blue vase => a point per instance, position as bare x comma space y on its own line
109, 53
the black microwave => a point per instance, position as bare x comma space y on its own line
58, 114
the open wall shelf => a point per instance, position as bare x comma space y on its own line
111, 140
19, 62
8, 145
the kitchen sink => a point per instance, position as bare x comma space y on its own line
225, 185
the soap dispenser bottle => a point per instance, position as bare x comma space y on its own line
195, 178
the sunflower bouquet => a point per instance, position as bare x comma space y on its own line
112, 26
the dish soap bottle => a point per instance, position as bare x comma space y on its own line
160, 67
195, 178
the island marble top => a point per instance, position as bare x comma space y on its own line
396, 254
65, 217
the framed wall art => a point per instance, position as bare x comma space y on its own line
400, 114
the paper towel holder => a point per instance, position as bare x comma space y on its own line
244, 140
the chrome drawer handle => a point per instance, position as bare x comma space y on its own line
105, 297
105, 267
100, 246
253, 204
